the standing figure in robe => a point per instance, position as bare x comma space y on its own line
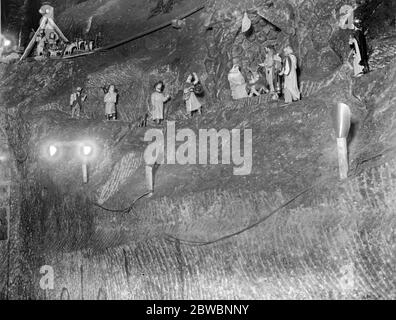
237, 83
157, 102
358, 68
110, 100
277, 71
41, 41
53, 41
76, 102
358, 44
269, 65
191, 100
291, 90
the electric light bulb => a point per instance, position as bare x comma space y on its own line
87, 150
53, 150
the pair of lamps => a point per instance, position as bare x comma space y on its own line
85, 151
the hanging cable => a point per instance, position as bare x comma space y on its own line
137, 36
260, 221
126, 210
190, 243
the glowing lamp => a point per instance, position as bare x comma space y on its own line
84, 151
53, 151
87, 150
7, 42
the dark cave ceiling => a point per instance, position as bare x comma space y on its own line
20, 16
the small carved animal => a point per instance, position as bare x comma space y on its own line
70, 49
257, 84
82, 45
54, 53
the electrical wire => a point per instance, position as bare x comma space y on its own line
251, 226
174, 239
137, 36
131, 207
126, 210
190, 243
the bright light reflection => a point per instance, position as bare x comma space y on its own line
53, 150
87, 150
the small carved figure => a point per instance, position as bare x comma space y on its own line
237, 83
277, 71
190, 99
257, 84
347, 17
269, 65
53, 41
110, 100
53, 48
157, 102
357, 58
291, 92
358, 44
76, 102
41, 42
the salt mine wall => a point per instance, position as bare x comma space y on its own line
290, 229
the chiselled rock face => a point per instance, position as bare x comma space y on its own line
310, 27
288, 229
